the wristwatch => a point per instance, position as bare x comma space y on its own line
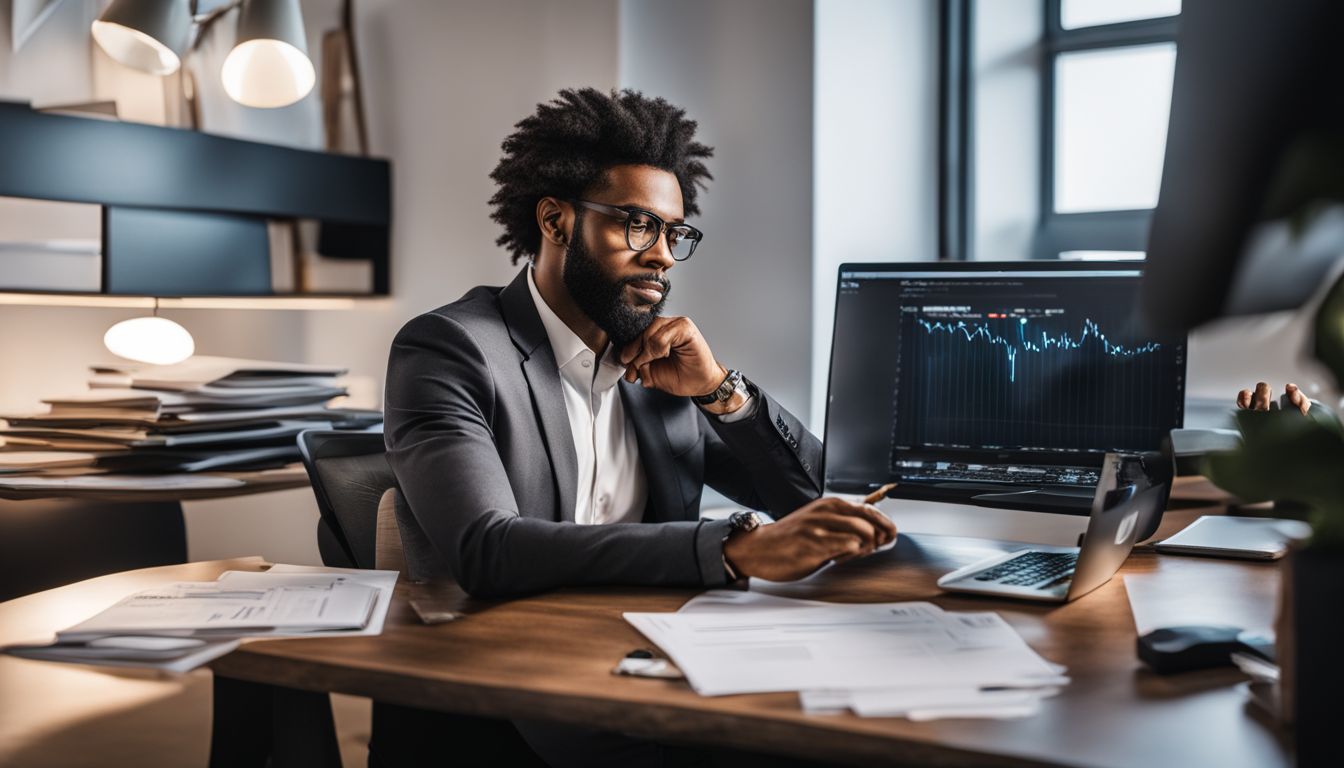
721, 394
739, 522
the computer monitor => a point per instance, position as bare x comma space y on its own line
1039, 361
1256, 109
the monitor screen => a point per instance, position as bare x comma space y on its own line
961, 362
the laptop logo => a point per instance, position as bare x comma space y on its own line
1126, 528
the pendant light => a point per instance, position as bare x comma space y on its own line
155, 340
148, 35
269, 65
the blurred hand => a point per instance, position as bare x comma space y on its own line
1262, 398
824, 530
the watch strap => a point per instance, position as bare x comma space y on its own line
722, 392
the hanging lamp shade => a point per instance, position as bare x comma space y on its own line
148, 35
155, 340
269, 65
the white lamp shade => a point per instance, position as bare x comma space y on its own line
155, 340
148, 35
269, 65
267, 74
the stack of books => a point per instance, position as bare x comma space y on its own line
204, 414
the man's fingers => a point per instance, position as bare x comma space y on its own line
886, 529
628, 353
840, 547
631, 352
1298, 398
849, 525
1260, 398
657, 345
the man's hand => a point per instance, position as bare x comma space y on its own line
1262, 398
672, 356
824, 530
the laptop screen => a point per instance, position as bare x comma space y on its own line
993, 361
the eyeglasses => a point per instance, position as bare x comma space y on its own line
643, 228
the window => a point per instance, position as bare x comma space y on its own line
1053, 125
1106, 93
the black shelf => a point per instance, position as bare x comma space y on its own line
169, 173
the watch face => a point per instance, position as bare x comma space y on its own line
746, 521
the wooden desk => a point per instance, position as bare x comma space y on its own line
58, 536
550, 657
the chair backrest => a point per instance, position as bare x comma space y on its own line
349, 473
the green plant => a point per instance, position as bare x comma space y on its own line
1288, 457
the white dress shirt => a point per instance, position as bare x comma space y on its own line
611, 485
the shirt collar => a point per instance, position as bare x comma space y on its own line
569, 349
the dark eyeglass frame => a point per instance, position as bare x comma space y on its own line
626, 214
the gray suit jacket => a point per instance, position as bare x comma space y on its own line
479, 440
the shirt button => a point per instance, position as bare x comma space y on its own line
587, 363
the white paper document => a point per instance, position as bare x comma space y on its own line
911, 660
843, 646
928, 703
384, 582
218, 608
1155, 604
180, 626
204, 369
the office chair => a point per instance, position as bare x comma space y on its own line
365, 520
362, 526
349, 475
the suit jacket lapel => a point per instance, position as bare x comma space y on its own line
665, 499
543, 379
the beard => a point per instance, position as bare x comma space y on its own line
604, 300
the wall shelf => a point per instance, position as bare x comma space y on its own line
215, 194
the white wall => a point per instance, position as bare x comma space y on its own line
743, 70
1007, 143
876, 147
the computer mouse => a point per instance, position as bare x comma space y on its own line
1181, 649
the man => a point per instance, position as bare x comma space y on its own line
546, 434
559, 431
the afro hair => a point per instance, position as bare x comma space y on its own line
563, 150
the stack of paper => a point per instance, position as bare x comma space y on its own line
876, 659
207, 413
180, 626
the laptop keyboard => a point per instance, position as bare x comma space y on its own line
1016, 474
1041, 570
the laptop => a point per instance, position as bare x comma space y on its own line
1130, 496
1001, 384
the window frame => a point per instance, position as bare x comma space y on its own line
956, 120
1118, 230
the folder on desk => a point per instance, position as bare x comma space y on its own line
1248, 538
